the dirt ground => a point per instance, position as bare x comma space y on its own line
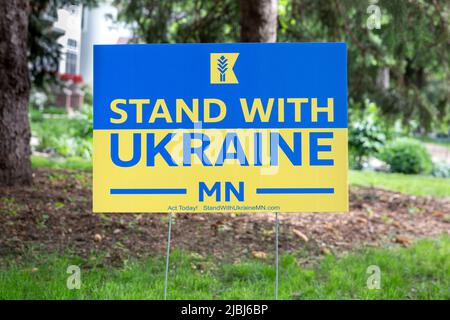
55, 214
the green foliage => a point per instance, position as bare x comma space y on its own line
88, 96
441, 169
418, 272
411, 47
408, 156
63, 135
366, 135
155, 21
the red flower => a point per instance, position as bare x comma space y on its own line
66, 77
77, 78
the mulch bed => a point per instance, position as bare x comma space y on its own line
55, 214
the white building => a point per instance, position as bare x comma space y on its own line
69, 24
83, 28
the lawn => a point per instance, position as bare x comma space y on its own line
419, 185
421, 271
72, 163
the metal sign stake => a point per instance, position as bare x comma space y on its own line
169, 234
276, 255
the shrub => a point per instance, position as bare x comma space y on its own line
63, 135
366, 136
441, 170
405, 155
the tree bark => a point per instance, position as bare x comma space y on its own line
15, 164
259, 20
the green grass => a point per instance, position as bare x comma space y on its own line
74, 163
421, 271
418, 185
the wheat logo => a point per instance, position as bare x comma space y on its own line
222, 64
222, 68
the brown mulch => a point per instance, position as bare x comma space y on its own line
55, 214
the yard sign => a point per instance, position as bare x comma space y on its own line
220, 127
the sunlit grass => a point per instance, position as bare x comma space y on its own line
421, 271
73, 163
419, 185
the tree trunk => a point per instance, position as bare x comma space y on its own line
259, 20
15, 164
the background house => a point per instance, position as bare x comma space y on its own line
84, 27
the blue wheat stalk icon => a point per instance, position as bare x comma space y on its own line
222, 66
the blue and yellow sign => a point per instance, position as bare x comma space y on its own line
220, 127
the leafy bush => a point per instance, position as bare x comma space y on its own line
88, 98
406, 155
441, 170
367, 135
63, 135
